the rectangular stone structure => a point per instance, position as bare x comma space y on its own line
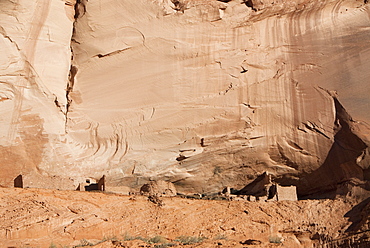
286, 193
101, 183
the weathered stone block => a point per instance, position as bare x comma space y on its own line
286, 193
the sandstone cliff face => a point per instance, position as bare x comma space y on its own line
34, 65
204, 94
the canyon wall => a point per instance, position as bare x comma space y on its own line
202, 93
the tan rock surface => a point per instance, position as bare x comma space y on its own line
39, 218
34, 65
169, 95
204, 94
158, 188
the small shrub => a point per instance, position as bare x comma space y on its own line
83, 243
217, 170
157, 239
127, 237
141, 238
109, 238
219, 237
275, 239
52, 245
165, 245
188, 240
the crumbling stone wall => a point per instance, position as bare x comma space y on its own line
158, 188
286, 193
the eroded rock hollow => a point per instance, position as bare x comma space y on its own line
202, 93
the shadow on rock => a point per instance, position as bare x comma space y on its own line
359, 215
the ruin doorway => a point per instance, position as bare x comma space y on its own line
99, 186
18, 182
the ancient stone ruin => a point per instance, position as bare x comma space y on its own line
255, 97
92, 185
288, 193
18, 182
158, 188
263, 189
201, 93
33, 180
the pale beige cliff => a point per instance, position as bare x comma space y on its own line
35, 63
205, 94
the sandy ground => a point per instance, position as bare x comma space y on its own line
51, 218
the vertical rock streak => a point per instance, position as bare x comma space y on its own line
38, 19
201, 93
79, 10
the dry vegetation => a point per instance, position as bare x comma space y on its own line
51, 218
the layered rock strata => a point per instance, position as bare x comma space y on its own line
204, 94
